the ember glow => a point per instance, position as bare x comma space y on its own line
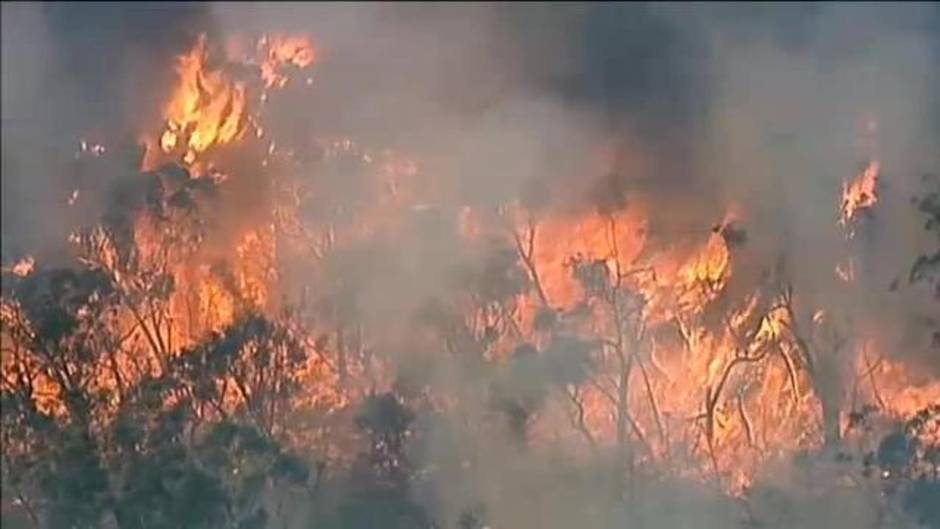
206, 108
280, 52
208, 105
312, 274
859, 194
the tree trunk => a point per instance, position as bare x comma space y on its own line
624, 452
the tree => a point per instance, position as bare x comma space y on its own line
382, 474
151, 456
105, 417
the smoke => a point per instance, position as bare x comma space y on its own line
96, 72
802, 98
688, 108
684, 108
26, 50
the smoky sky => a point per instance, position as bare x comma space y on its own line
529, 88
73, 71
688, 107
90, 40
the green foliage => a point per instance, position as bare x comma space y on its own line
519, 389
388, 424
381, 478
148, 456
73, 481
908, 462
895, 453
52, 299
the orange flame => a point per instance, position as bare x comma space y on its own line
282, 51
207, 108
697, 389
859, 194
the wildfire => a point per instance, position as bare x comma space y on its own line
206, 108
707, 273
614, 240
890, 384
860, 194
710, 265
23, 267
722, 394
279, 51
209, 105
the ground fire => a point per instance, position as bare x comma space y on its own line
231, 293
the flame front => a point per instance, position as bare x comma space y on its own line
712, 381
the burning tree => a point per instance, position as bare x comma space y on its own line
109, 414
263, 328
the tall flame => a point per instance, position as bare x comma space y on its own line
698, 386
207, 107
860, 194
